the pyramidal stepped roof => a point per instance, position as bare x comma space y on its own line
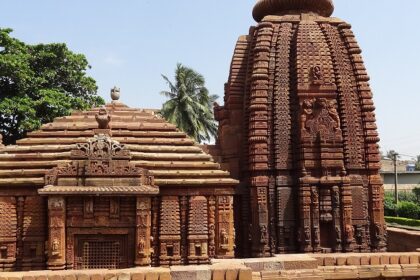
282, 7
170, 155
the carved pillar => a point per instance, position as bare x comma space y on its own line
315, 219
20, 205
212, 226
304, 233
155, 231
57, 233
346, 205
184, 228
143, 231
336, 205
225, 233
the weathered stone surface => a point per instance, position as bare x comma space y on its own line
298, 85
245, 274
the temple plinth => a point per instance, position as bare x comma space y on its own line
298, 130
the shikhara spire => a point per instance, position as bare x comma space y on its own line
281, 7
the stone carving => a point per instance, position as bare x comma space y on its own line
317, 75
100, 147
103, 118
320, 116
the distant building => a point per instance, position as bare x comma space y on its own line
408, 177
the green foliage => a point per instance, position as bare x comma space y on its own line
408, 210
407, 196
403, 221
416, 192
190, 106
39, 83
390, 207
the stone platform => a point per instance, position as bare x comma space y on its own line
282, 267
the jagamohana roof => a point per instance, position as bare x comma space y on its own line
170, 155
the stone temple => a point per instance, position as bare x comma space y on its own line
117, 187
113, 187
298, 130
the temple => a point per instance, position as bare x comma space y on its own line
298, 130
113, 187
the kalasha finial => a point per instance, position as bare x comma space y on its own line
115, 93
284, 7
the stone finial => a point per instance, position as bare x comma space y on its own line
103, 118
283, 7
115, 93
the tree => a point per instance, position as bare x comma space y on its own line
391, 154
39, 83
190, 106
418, 163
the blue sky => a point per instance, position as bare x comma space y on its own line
129, 43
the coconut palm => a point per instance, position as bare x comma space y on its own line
190, 106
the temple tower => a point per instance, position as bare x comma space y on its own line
298, 130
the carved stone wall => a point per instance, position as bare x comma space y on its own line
310, 160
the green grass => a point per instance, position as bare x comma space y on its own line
403, 221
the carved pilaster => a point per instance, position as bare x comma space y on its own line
304, 232
336, 206
143, 231
155, 231
20, 205
184, 228
316, 235
346, 206
57, 233
198, 233
212, 226
225, 230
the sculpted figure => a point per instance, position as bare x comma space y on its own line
141, 247
307, 236
263, 239
332, 109
103, 118
317, 75
337, 235
349, 234
55, 248
224, 239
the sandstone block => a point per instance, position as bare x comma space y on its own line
110, 276
137, 276
341, 261
353, 260
411, 270
83, 276
375, 260
404, 259
414, 259
152, 275
69, 277
231, 274
41, 277
55, 277
219, 274
165, 275
97, 277
364, 260
124, 276
329, 261
245, 274
384, 259
27, 277
394, 259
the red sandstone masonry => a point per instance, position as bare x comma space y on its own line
283, 267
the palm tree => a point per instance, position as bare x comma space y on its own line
190, 106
